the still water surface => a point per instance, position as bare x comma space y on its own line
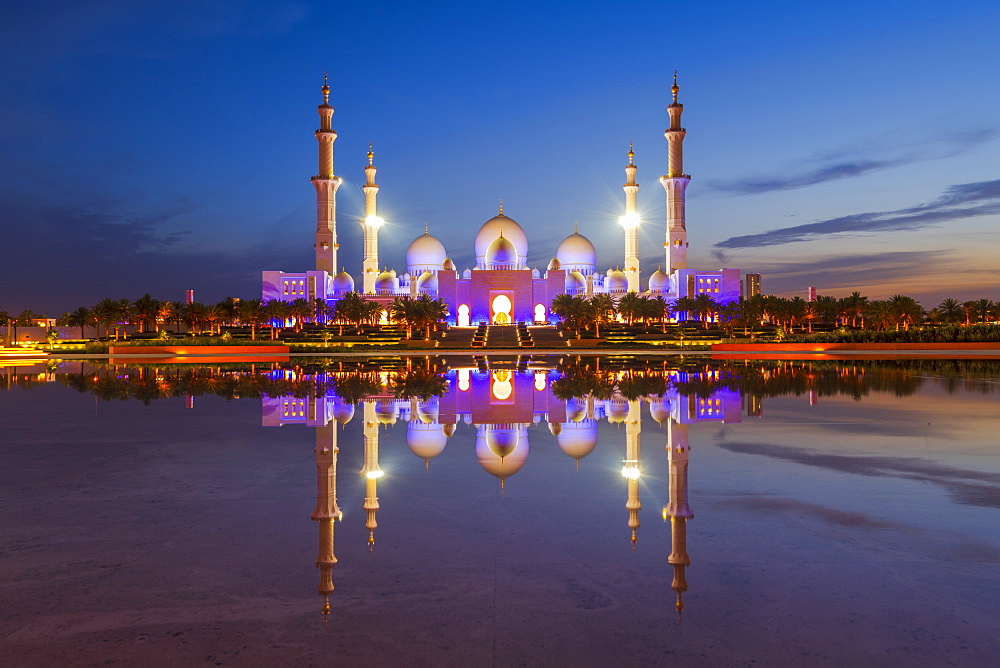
557, 512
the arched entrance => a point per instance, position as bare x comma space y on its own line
500, 310
463, 315
540, 313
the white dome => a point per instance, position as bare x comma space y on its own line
427, 282
659, 409
343, 413
617, 282
426, 253
554, 264
575, 282
496, 465
492, 229
384, 282
425, 440
578, 439
659, 282
501, 254
343, 282
577, 252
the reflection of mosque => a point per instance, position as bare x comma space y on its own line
501, 405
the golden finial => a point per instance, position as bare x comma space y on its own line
675, 88
371, 154
371, 540
576, 227
501, 207
326, 608
425, 228
326, 88
631, 153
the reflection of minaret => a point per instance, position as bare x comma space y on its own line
678, 509
675, 183
326, 512
371, 225
630, 467
630, 221
371, 470
326, 185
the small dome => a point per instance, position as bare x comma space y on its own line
424, 440
501, 254
575, 282
425, 253
427, 282
554, 264
501, 467
535, 273
343, 413
617, 282
501, 439
492, 229
448, 429
578, 439
617, 410
659, 409
384, 282
427, 411
576, 409
385, 412
448, 265
343, 282
659, 282
577, 252
555, 428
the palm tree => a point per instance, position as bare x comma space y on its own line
193, 315
809, 313
165, 313
105, 312
431, 312
404, 311
214, 315
251, 312
686, 306
905, 311
950, 311
79, 318
630, 307
277, 312
705, 307
982, 309
603, 307
145, 310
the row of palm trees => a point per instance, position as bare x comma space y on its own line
117, 317
856, 311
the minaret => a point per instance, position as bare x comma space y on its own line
371, 225
326, 185
326, 512
675, 183
630, 467
630, 221
371, 471
678, 509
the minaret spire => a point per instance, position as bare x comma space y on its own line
675, 183
370, 225
371, 471
677, 509
630, 467
630, 221
326, 185
327, 511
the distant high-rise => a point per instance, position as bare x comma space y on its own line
752, 285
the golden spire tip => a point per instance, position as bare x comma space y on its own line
371, 154
631, 153
675, 88
326, 87
501, 207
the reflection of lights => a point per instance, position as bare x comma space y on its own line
463, 379
502, 386
540, 381
630, 472
371, 475
374, 221
630, 219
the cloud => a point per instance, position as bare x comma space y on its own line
983, 199
965, 486
846, 164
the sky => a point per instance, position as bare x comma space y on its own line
160, 147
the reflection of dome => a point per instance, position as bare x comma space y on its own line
555, 428
343, 282
492, 229
617, 410
501, 467
501, 439
343, 413
385, 412
617, 282
427, 411
448, 429
501, 254
576, 409
427, 282
576, 252
425, 440
384, 282
575, 282
659, 409
659, 282
578, 439
425, 253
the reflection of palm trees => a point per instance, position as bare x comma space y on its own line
420, 383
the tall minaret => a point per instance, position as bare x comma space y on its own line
370, 224
630, 221
326, 512
677, 508
675, 183
371, 470
630, 467
326, 185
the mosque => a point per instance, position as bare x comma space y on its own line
501, 288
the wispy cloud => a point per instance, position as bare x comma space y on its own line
966, 200
844, 164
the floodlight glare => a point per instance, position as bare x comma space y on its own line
630, 219
374, 221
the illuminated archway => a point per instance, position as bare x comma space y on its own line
463, 315
540, 313
501, 308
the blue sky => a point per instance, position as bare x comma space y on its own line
165, 146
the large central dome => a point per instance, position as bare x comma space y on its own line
492, 229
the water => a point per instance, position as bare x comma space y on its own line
806, 514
